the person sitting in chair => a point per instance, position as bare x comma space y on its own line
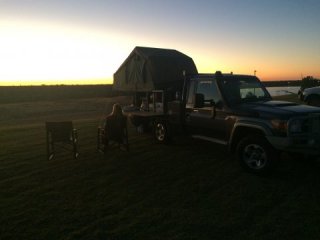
116, 126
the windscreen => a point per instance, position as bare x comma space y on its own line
243, 89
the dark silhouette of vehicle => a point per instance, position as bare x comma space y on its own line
237, 111
234, 110
311, 96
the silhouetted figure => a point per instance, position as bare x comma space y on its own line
116, 126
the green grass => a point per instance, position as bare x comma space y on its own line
187, 190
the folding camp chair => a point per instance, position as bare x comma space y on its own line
112, 134
61, 135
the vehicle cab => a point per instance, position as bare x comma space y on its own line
213, 101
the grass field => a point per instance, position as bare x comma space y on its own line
14, 94
187, 190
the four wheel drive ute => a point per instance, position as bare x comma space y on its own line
233, 110
238, 111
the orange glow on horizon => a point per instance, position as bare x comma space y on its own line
33, 53
84, 42
57, 82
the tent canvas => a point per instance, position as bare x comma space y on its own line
147, 69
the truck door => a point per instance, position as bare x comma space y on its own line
206, 121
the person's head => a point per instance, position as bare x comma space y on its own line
116, 110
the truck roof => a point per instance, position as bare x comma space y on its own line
220, 74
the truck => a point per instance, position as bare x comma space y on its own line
310, 96
233, 110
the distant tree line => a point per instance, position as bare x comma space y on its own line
282, 83
305, 82
309, 81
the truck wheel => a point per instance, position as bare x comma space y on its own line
256, 155
161, 133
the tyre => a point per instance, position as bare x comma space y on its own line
256, 155
161, 131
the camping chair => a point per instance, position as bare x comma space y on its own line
112, 134
61, 135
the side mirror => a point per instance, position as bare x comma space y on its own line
199, 100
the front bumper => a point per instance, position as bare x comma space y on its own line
306, 142
309, 145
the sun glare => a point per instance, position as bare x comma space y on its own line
42, 55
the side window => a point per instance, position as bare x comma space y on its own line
209, 89
251, 93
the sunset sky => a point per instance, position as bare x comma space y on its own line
85, 41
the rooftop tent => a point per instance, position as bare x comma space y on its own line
147, 69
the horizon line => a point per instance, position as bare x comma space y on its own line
106, 84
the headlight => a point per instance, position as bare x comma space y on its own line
295, 126
279, 125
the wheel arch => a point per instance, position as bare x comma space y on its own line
245, 129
